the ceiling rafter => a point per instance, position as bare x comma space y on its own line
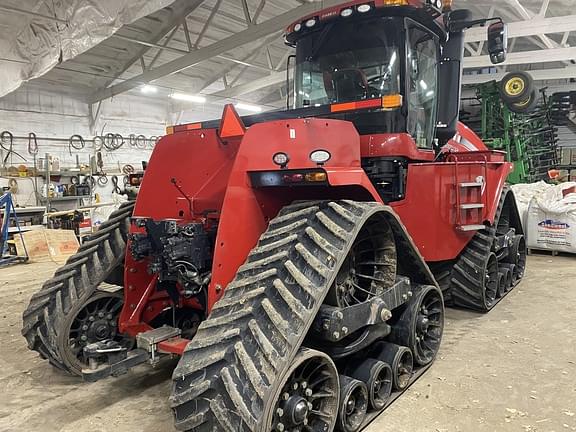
180, 9
242, 38
224, 72
207, 24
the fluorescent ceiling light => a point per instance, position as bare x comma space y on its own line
148, 89
188, 98
248, 107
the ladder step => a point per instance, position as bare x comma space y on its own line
467, 228
471, 206
471, 184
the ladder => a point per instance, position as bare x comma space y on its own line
470, 201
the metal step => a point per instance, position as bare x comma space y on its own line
471, 184
467, 228
471, 206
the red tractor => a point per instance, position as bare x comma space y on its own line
298, 261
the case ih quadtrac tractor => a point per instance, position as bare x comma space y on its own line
298, 261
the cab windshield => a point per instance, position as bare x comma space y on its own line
352, 61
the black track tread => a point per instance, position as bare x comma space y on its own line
230, 369
73, 284
466, 283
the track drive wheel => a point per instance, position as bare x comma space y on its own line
53, 322
420, 326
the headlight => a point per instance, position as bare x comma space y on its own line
364, 8
320, 156
345, 13
280, 159
310, 23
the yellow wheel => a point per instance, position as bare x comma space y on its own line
525, 106
516, 88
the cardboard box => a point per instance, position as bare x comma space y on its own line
48, 245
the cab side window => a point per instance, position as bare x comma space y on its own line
422, 74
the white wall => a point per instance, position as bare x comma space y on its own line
51, 114
56, 115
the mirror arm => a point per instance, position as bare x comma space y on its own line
458, 26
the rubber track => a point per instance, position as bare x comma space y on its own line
73, 284
468, 271
234, 363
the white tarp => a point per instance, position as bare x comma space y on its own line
552, 219
31, 46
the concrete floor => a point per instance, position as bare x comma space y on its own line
511, 370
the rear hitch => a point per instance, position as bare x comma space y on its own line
109, 358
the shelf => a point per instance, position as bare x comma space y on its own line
13, 230
64, 173
23, 211
68, 198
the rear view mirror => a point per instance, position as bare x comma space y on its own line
497, 42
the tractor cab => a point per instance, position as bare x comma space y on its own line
389, 66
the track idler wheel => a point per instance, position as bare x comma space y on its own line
94, 321
377, 376
353, 404
400, 360
308, 398
421, 325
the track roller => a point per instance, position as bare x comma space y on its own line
353, 404
510, 280
420, 326
377, 376
517, 256
400, 360
503, 277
